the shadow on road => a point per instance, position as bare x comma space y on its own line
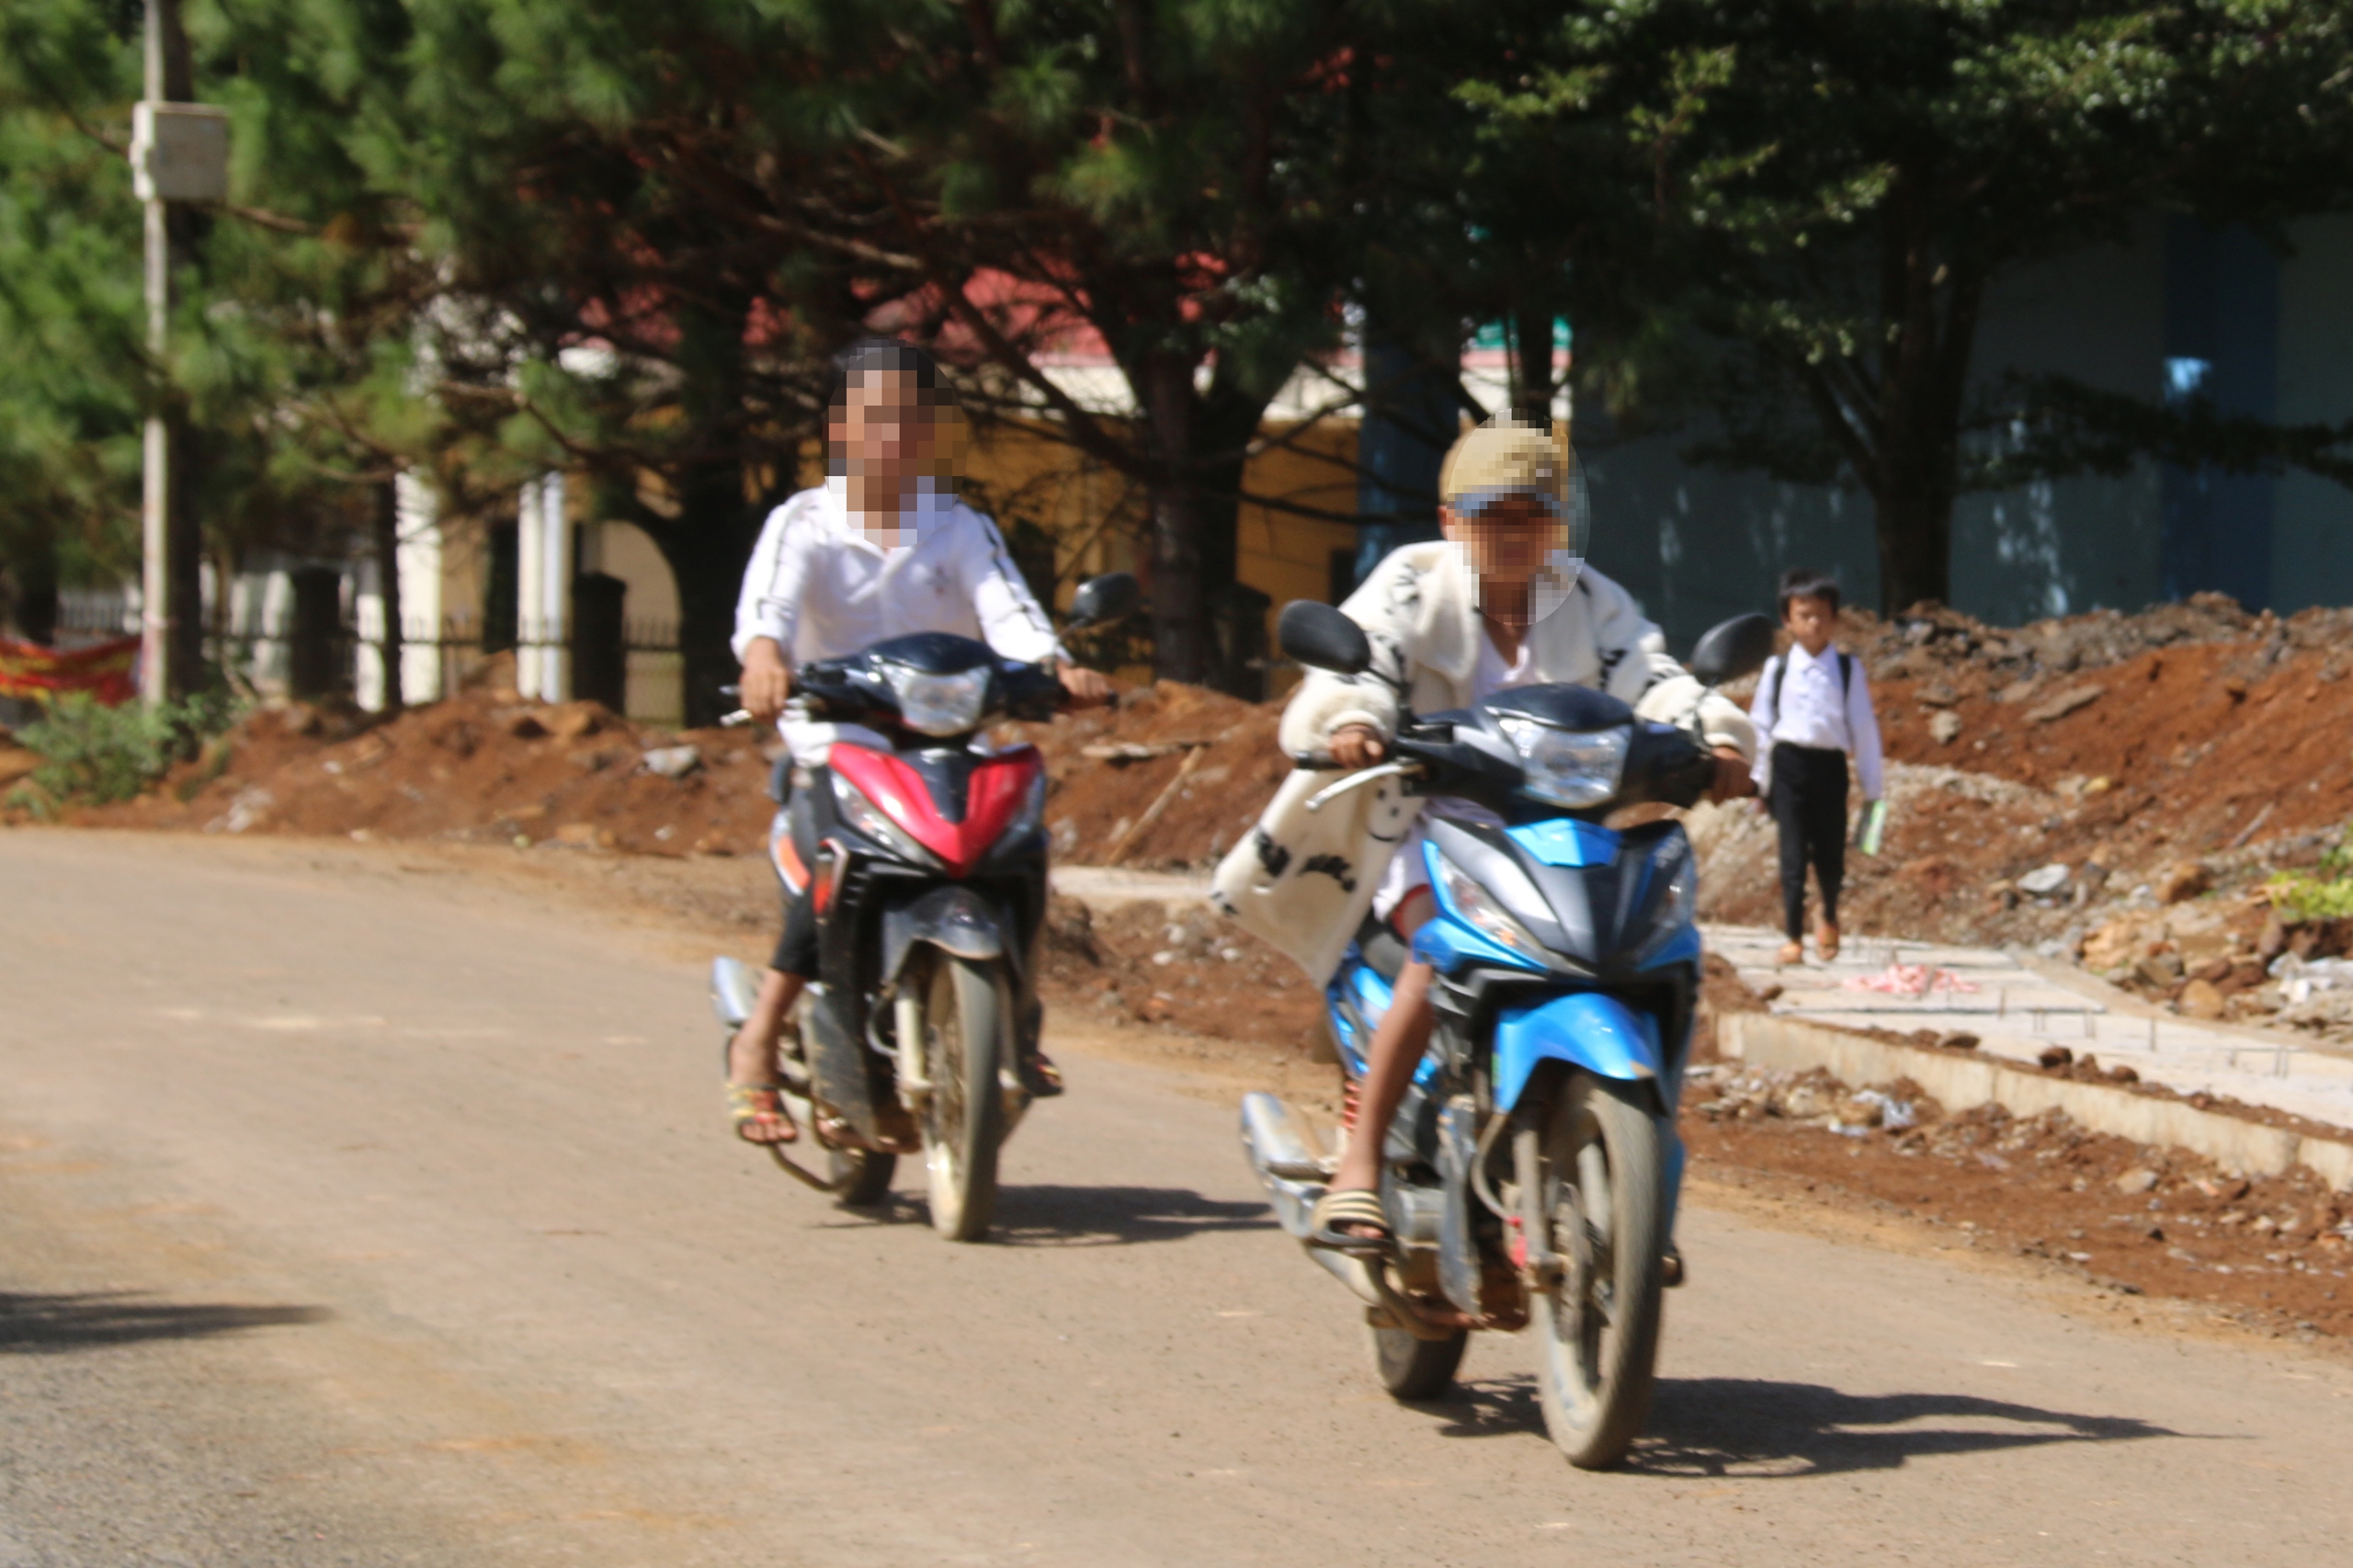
1117, 1216
37, 1325
1755, 1426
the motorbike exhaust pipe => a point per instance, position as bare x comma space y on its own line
732, 992
1279, 1143
1275, 1143
1282, 1152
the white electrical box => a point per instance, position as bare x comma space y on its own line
180, 151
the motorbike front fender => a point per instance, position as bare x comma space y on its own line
1586, 1028
953, 919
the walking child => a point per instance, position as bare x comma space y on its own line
1812, 711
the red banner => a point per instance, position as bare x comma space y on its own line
104, 670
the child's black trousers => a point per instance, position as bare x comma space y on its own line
1809, 803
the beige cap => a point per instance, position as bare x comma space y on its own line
1503, 457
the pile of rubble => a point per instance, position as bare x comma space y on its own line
2148, 773
1930, 641
2274, 1252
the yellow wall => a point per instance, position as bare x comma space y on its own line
1097, 517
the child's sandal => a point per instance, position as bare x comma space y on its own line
750, 1105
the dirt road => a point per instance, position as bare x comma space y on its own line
357, 1215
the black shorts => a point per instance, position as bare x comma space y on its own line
796, 950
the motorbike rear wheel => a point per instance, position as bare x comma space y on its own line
968, 1028
1596, 1199
1416, 1369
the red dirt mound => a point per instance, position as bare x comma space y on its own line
1224, 748
474, 767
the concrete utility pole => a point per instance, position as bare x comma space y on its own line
179, 152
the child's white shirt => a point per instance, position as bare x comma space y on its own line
1816, 708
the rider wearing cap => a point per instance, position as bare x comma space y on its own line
1503, 601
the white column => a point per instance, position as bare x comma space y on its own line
270, 660
418, 553
367, 686
530, 559
555, 584
543, 582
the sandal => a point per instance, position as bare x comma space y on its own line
1791, 952
1355, 1206
751, 1104
1825, 940
1040, 1077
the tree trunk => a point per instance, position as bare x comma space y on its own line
1929, 307
1915, 547
1180, 640
33, 579
1225, 424
184, 227
1531, 367
707, 546
184, 549
387, 532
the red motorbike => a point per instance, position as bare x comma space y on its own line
926, 863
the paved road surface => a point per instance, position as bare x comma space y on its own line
355, 1216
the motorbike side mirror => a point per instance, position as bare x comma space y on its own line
1321, 638
1102, 600
1737, 647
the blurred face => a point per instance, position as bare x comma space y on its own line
887, 433
1810, 622
1507, 541
882, 428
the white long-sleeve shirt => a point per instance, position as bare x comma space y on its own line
1802, 700
821, 589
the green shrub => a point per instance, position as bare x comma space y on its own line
92, 754
2325, 892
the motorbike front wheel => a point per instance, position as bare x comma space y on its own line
862, 1177
968, 1028
1592, 1184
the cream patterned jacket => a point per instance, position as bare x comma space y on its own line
1303, 881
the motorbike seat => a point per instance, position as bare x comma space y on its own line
1383, 952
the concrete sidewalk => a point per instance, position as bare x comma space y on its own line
2018, 1012
2017, 1008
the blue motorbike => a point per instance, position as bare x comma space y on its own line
1530, 1175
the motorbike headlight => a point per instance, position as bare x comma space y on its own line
1479, 909
871, 820
1568, 768
938, 705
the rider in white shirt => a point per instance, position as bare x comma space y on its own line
821, 585
882, 548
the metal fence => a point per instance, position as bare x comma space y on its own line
323, 658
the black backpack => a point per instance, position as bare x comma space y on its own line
1845, 677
